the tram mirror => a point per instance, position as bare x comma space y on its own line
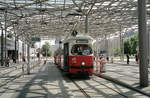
74, 33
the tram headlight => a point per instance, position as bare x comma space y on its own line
83, 63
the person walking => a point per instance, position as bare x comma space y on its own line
7, 61
136, 58
128, 58
107, 58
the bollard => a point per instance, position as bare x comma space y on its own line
96, 63
44, 62
102, 65
23, 69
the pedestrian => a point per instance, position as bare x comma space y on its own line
14, 60
107, 59
24, 60
7, 61
128, 58
136, 58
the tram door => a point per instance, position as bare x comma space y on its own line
66, 57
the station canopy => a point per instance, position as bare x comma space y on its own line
58, 18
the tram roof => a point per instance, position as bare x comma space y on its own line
78, 37
57, 18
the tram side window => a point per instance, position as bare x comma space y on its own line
81, 50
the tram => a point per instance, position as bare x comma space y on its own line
76, 55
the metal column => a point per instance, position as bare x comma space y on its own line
143, 52
106, 45
15, 47
86, 23
5, 15
28, 57
2, 47
23, 56
15, 43
121, 47
97, 54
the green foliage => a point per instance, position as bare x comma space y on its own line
134, 43
112, 51
127, 47
46, 49
117, 51
10, 35
130, 45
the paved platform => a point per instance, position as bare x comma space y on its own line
127, 73
47, 81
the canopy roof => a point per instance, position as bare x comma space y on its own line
58, 18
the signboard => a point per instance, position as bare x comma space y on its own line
81, 41
36, 39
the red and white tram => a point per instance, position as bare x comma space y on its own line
76, 56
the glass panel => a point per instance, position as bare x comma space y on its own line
81, 49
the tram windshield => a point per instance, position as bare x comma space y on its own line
81, 49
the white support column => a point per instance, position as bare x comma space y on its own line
28, 57
143, 43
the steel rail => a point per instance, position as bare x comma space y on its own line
82, 90
111, 89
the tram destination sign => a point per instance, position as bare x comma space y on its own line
36, 39
82, 41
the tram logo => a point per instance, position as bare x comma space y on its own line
74, 60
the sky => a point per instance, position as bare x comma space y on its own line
38, 44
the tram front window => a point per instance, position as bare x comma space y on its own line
81, 49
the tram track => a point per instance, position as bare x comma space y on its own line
94, 80
111, 88
80, 88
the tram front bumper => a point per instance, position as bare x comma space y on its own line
81, 69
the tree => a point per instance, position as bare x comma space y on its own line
117, 51
10, 35
131, 45
127, 47
134, 43
46, 49
112, 51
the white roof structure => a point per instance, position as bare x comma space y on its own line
57, 18
78, 37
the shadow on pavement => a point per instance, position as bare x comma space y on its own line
46, 84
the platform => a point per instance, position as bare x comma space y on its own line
47, 81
